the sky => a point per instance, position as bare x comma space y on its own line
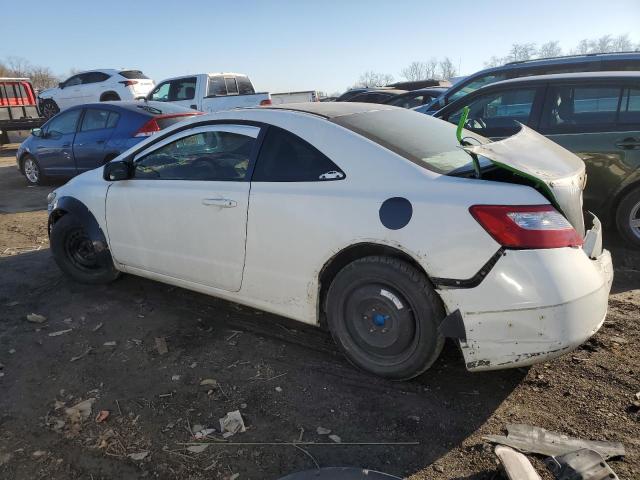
287, 45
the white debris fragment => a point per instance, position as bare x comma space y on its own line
335, 438
110, 344
232, 423
203, 433
208, 381
198, 448
323, 431
278, 389
175, 378
38, 454
81, 410
60, 332
138, 456
36, 318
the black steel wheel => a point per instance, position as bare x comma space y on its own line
49, 108
384, 315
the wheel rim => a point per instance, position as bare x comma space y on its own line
80, 251
48, 110
382, 332
31, 170
634, 220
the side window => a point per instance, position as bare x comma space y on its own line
576, 108
285, 157
183, 89
232, 85
409, 101
94, 119
630, 106
113, 120
75, 80
94, 77
64, 123
496, 113
211, 155
216, 86
161, 92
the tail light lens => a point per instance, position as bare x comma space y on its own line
265, 102
526, 226
157, 123
128, 83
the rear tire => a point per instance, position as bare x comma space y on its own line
628, 218
49, 108
32, 171
384, 315
74, 253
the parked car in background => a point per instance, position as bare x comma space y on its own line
415, 98
318, 242
575, 63
376, 95
352, 92
94, 86
18, 109
210, 92
595, 115
84, 137
295, 97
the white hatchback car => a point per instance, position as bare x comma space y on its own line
94, 86
371, 217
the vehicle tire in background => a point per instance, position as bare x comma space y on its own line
109, 97
32, 171
628, 218
49, 108
75, 254
384, 315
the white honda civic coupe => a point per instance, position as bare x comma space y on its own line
386, 226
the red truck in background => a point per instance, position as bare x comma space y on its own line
18, 107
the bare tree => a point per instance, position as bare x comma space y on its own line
373, 79
415, 71
583, 47
42, 78
447, 69
603, 44
432, 68
550, 49
495, 61
522, 51
622, 43
18, 66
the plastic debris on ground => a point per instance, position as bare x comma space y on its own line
138, 456
102, 416
161, 346
231, 424
36, 318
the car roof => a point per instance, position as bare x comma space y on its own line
605, 75
141, 107
567, 59
329, 110
429, 90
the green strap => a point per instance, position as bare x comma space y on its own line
462, 122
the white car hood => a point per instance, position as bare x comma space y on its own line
560, 173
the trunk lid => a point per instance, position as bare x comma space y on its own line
558, 173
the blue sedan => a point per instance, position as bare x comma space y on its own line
84, 137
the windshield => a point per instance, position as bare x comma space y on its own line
474, 85
424, 140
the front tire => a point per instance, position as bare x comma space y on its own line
32, 171
76, 256
49, 108
628, 218
384, 315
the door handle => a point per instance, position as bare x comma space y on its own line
628, 143
219, 202
195, 107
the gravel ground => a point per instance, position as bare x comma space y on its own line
287, 379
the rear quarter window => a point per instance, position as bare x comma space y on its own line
133, 75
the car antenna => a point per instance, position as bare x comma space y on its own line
461, 123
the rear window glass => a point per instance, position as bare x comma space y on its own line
216, 86
94, 119
232, 85
165, 122
133, 74
426, 141
244, 86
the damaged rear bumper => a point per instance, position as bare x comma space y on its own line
532, 306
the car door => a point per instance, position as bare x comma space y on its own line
55, 147
183, 214
496, 114
71, 93
601, 124
96, 128
93, 86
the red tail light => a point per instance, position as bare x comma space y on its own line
128, 83
153, 125
526, 226
265, 102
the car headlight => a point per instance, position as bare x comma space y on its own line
51, 198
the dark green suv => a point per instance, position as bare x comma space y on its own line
595, 115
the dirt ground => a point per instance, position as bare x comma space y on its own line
287, 379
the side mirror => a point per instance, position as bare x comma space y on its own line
114, 171
37, 132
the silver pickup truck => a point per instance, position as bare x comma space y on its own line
210, 92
